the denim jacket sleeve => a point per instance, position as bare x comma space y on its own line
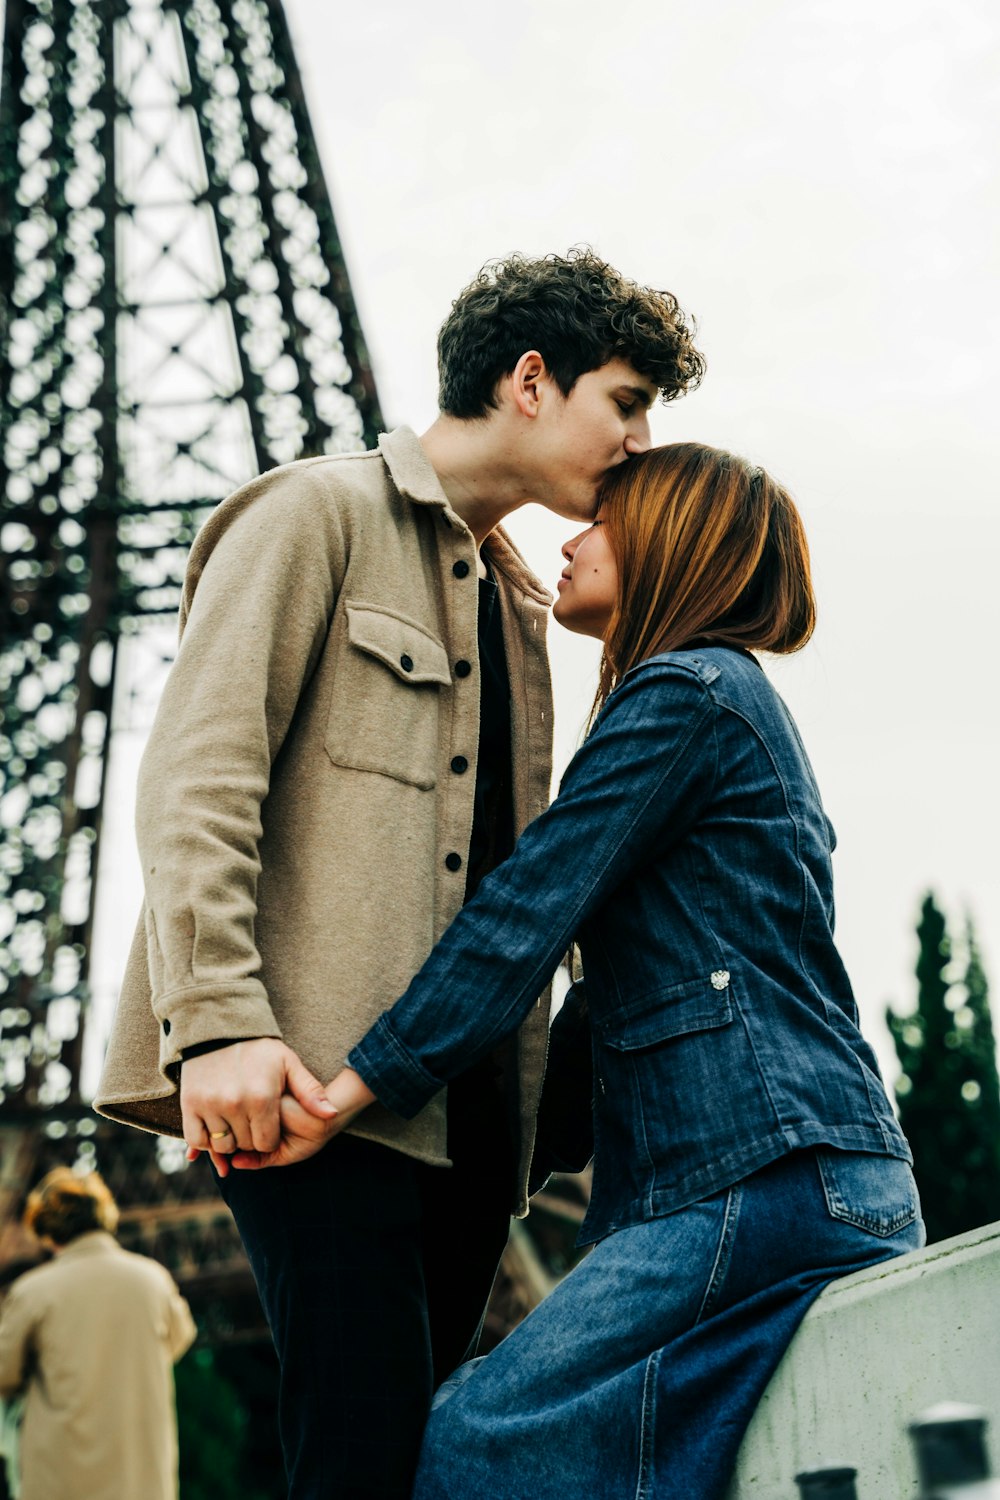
637, 783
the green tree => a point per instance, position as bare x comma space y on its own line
948, 1092
214, 1430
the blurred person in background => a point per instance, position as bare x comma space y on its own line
90, 1340
12, 1409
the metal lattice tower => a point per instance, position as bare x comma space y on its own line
175, 316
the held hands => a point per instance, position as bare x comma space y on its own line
230, 1098
255, 1103
303, 1133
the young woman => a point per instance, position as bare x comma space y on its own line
745, 1150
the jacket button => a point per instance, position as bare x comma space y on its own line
459, 765
460, 568
453, 861
406, 662
463, 668
166, 1028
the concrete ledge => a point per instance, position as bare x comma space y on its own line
875, 1351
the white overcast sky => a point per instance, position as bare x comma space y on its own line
815, 180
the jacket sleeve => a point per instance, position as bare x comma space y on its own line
639, 780
181, 1327
16, 1333
260, 592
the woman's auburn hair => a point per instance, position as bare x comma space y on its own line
710, 551
66, 1204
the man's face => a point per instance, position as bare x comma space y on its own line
580, 437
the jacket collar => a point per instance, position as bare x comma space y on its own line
505, 558
412, 472
94, 1241
415, 477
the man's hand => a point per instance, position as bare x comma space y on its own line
230, 1098
302, 1133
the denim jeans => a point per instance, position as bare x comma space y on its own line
636, 1378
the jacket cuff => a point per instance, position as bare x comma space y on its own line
396, 1078
201, 1013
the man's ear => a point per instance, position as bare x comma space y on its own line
527, 381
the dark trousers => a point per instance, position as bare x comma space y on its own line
374, 1271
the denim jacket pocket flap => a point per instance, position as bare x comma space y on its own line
408, 650
675, 1011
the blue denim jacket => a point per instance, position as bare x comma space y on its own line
689, 856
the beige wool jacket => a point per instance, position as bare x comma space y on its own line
91, 1339
302, 831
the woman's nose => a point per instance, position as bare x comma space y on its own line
569, 548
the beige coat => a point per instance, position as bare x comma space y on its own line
299, 816
92, 1338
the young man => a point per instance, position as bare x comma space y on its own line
357, 726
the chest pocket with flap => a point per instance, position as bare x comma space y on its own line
385, 702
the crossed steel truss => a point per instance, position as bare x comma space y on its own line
175, 316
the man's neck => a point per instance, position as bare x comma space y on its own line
475, 472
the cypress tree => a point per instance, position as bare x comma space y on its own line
948, 1092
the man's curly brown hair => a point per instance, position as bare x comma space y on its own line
577, 311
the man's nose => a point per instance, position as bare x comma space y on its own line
638, 439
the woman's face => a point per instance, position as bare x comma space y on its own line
588, 588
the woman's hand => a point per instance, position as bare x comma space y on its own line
302, 1133
349, 1095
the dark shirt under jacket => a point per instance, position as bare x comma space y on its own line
478, 1130
492, 820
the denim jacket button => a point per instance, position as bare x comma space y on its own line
720, 979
